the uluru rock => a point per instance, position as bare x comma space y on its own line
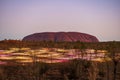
61, 36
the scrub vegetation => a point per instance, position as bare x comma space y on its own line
106, 67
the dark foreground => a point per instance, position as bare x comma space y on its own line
72, 70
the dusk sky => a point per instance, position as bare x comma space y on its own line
19, 18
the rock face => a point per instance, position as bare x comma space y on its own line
61, 36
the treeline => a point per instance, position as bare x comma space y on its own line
6, 44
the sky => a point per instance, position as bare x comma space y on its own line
19, 18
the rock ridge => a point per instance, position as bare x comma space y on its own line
61, 36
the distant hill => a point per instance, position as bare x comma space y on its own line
61, 36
